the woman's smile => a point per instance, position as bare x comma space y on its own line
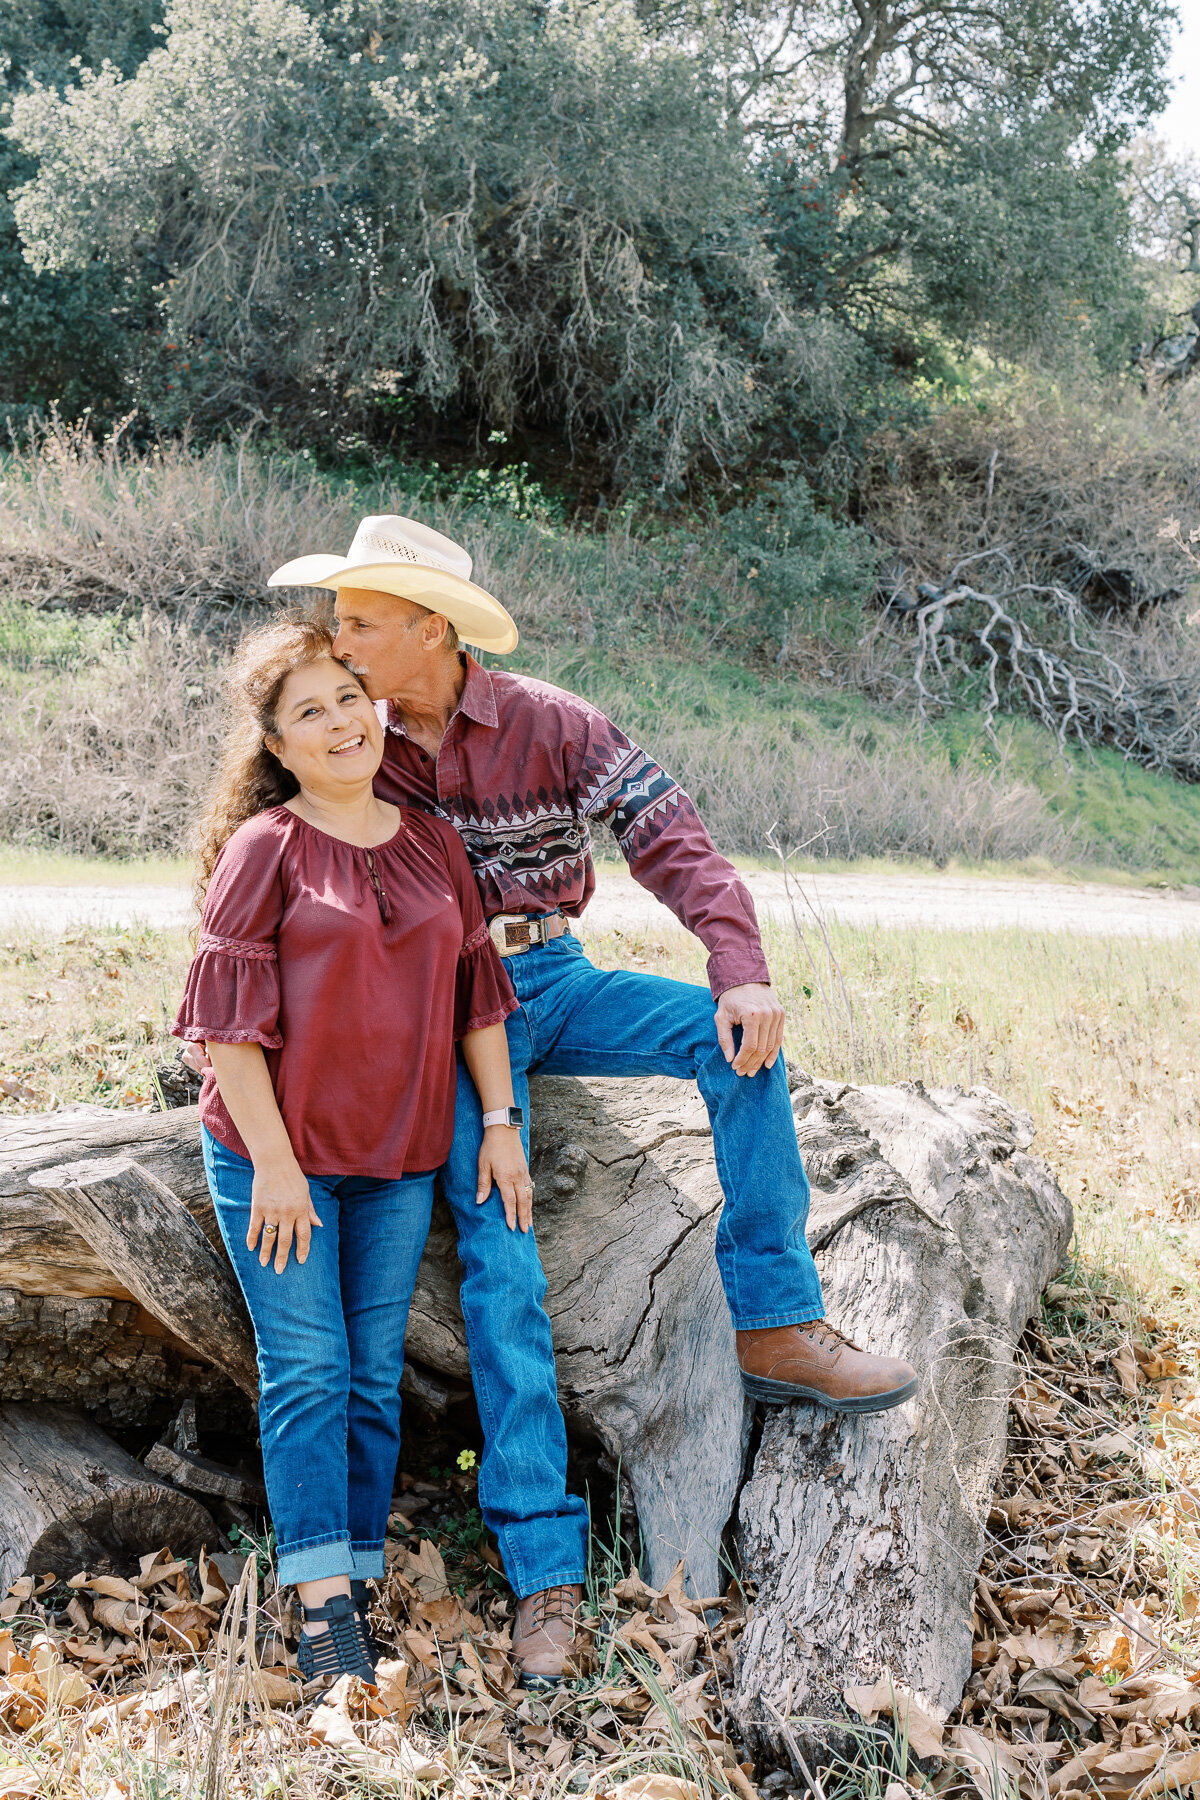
324, 714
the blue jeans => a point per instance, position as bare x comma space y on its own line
579, 1020
330, 1336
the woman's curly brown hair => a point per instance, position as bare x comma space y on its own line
250, 779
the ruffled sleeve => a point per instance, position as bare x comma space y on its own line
232, 991
483, 994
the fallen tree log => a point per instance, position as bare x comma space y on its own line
70, 1499
934, 1231
940, 1234
129, 1218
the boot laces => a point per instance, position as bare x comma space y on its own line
828, 1336
553, 1603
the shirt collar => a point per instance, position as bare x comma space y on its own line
478, 695
478, 700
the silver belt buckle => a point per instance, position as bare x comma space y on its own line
513, 934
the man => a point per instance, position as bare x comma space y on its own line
523, 770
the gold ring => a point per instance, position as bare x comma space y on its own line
268, 1229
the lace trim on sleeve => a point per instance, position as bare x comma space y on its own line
481, 1021
202, 1034
478, 938
223, 946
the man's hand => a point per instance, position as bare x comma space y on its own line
195, 1056
754, 1007
502, 1162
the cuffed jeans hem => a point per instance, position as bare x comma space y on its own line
316, 1561
556, 1578
768, 1321
368, 1562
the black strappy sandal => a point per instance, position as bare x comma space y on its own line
362, 1605
342, 1650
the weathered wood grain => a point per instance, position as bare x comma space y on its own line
70, 1499
934, 1230
864, 1535
40, 1253
150, 1241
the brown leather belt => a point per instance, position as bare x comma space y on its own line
515, 933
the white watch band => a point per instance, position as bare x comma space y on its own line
499, 1117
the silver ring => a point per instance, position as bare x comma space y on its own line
268, 1229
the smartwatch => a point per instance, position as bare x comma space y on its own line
505, 1115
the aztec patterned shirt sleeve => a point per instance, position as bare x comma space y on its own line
669, 851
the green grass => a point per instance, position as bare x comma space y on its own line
1130, 824
1128, 818
111, 722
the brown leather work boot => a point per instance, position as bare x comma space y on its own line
818, 1362
543, 1636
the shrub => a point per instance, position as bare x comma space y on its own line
804, 567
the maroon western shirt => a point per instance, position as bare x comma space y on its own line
523, 772
355, 970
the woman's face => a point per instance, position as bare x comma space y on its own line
329, 736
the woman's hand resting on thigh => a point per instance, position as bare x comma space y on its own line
502, 1164
281, 1210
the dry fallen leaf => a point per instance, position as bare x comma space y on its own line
391, 1679
277, 1689
113, 1588
911, 1716
655, 1787
125, 1616
1126, 1367
427, 1572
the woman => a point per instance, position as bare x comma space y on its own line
342, 952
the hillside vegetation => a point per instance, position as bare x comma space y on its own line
814, 382
128, 576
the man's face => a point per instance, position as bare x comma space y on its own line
389, 643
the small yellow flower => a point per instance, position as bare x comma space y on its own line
466, 1461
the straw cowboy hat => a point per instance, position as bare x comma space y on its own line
391, 555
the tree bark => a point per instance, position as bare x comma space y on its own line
863, 1535
152, 1244
934, 1232
40, 1253
70, 1499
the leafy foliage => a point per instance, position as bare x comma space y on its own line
668, 238
803, 565
62, 334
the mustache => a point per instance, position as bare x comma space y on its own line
359, 669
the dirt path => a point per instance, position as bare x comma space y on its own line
961, 902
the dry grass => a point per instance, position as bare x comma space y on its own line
112, 719
1065, 480
860, 794
130, 576
1099, 1038
86, 1017
109, 749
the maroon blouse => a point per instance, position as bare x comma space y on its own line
356, 970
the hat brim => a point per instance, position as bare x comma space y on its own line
475, 614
